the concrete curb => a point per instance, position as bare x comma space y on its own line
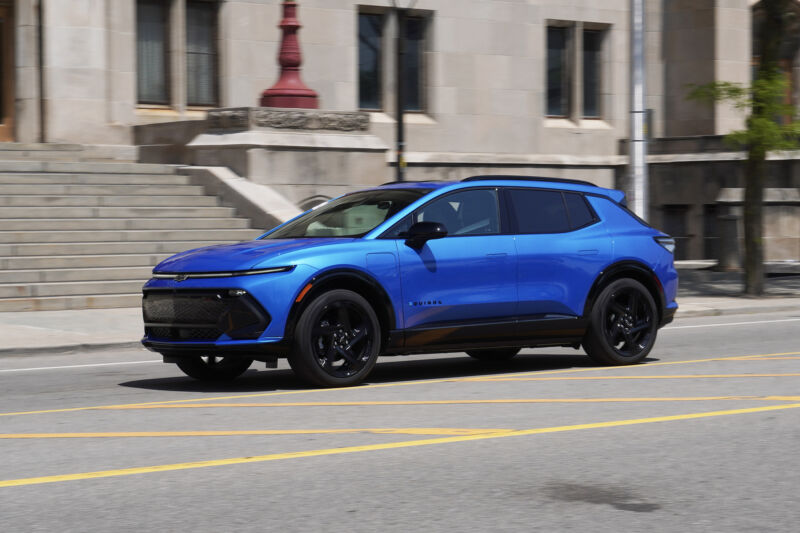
67, 349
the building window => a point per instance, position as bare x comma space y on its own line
374, 48
414, 64
152, 56
177, 53
557, 71
201, 53
592, 64
370, 54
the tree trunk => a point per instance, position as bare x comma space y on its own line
770, 37
753, 223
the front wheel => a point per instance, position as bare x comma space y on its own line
623, 324
213, 368
337, 340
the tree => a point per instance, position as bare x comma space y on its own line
770, 125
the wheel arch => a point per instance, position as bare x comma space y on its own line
632, 270
350, 279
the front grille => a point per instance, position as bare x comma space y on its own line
202, 315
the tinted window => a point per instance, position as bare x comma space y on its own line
579, 213
470, 212
539, 211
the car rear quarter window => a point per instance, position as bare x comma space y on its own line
580, 214
538, 211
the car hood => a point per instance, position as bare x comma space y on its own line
239, 256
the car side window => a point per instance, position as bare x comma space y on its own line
580, 214
538, 211
467, 212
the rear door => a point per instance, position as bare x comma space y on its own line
562, 247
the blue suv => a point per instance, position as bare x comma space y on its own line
488, 265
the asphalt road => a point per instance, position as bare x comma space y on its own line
704, 437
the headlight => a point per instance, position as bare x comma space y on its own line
180, 276
666, 242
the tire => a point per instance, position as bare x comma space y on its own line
495, 355
623, 324
336, 341
213, 368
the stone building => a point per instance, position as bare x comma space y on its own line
536, 87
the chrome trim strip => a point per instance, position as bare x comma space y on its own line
203, 275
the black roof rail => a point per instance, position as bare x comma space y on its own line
528, 178
395, 182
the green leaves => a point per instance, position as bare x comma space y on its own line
771, 123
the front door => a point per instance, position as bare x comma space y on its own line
461, 287
6, 74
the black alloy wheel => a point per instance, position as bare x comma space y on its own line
624, 323
214, 368
337, 340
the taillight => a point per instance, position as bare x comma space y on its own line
666, 242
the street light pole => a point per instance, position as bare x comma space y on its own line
400, 14
637, 171
400, 47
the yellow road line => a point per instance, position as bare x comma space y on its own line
459, 402
376, 447
235, 433
384, 385
673, 376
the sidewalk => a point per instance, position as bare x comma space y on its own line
35, 332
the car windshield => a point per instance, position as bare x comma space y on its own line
352, 215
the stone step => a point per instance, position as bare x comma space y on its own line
44, 262
86, 224
115, 212
93, 179
128, 235
39, 147
39, 155
97, 248
73, 288
57, 275
56, 303
86, 167
34, 200
59, 189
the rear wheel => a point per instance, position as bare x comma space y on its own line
337, 340
214, 368
623, 324
496, 354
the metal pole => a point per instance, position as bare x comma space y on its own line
400, 60
637, 171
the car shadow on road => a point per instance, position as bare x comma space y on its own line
388, 370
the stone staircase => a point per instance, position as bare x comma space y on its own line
77, 231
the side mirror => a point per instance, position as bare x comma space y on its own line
421, 232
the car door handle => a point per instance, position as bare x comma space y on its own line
588, 252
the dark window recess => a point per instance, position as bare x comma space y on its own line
675, 225
370, 51
710, 232
557, 78
201, 53
592, 62
538, 211
152, 81
414, 64
580, 214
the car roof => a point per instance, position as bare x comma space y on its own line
514, 181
